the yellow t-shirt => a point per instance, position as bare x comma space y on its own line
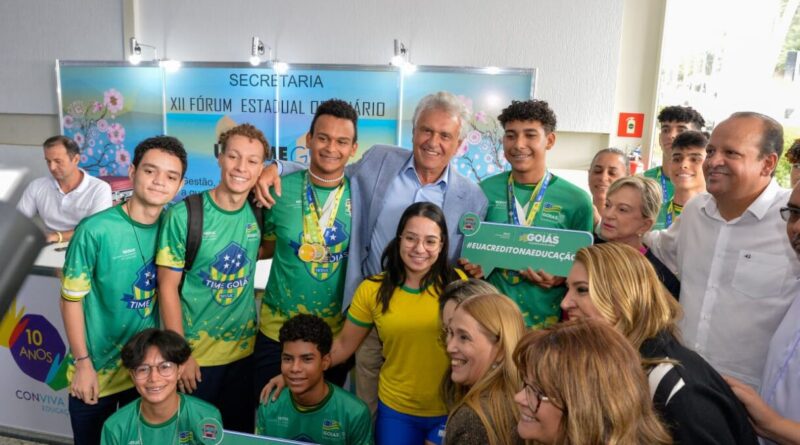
415, 360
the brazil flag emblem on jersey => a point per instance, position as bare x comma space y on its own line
228, 274
142, 298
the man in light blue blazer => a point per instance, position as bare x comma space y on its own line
385, 181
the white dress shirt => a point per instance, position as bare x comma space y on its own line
63, 211
738, 279
781, 383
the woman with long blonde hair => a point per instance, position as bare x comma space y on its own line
615, 284
481, 338
583, 384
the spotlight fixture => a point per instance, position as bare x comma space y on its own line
135, 47
401, 58
256, 51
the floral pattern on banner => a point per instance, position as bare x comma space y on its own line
481, 154
91, 124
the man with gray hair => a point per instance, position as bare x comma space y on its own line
383, 183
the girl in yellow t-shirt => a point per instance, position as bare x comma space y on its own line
402, 304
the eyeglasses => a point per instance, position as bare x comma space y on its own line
165, 369
790, 213
429, 243
535, 398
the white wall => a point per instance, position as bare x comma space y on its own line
574, 43
595, 58
33, 34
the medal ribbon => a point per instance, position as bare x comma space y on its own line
314, 222
533, 204
665, 198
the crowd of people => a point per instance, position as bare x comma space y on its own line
678, 325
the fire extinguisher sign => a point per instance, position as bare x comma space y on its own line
630, 125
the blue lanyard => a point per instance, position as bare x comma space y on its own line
533, 203
665, 197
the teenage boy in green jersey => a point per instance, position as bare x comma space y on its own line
308, 233
686, 171
155, 360
313, 410
108, 289
214, 309
531, 195
672, 120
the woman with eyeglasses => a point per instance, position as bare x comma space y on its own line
614, 284
583, 384
402, 303
481, 338
631, 208
155, 360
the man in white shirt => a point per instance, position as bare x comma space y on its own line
737, 268
781, 383
68, 195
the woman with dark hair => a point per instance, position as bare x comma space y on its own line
162, 415
402, 303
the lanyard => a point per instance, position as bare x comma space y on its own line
315, 223
533, 204
665, 198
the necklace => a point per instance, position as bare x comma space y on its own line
174, 431
326, 181
135, 233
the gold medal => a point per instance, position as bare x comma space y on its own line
306, 252
320, 252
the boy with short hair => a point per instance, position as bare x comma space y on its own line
531, 195
309, 231
162, 415
686, 172
313, 410
213, 307
108, 290
672, 121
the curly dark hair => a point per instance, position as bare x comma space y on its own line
688, 139
308, 328
529, 110
677, 113
247, 130
394, 275
168, 144
170, 345
793, 153
70, 145
337, 108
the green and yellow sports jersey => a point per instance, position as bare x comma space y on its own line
195, 423
340, 419
657, 174
296, 286
217, 299
415, 359
563, 206
109, 268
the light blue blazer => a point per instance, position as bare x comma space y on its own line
369, 180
